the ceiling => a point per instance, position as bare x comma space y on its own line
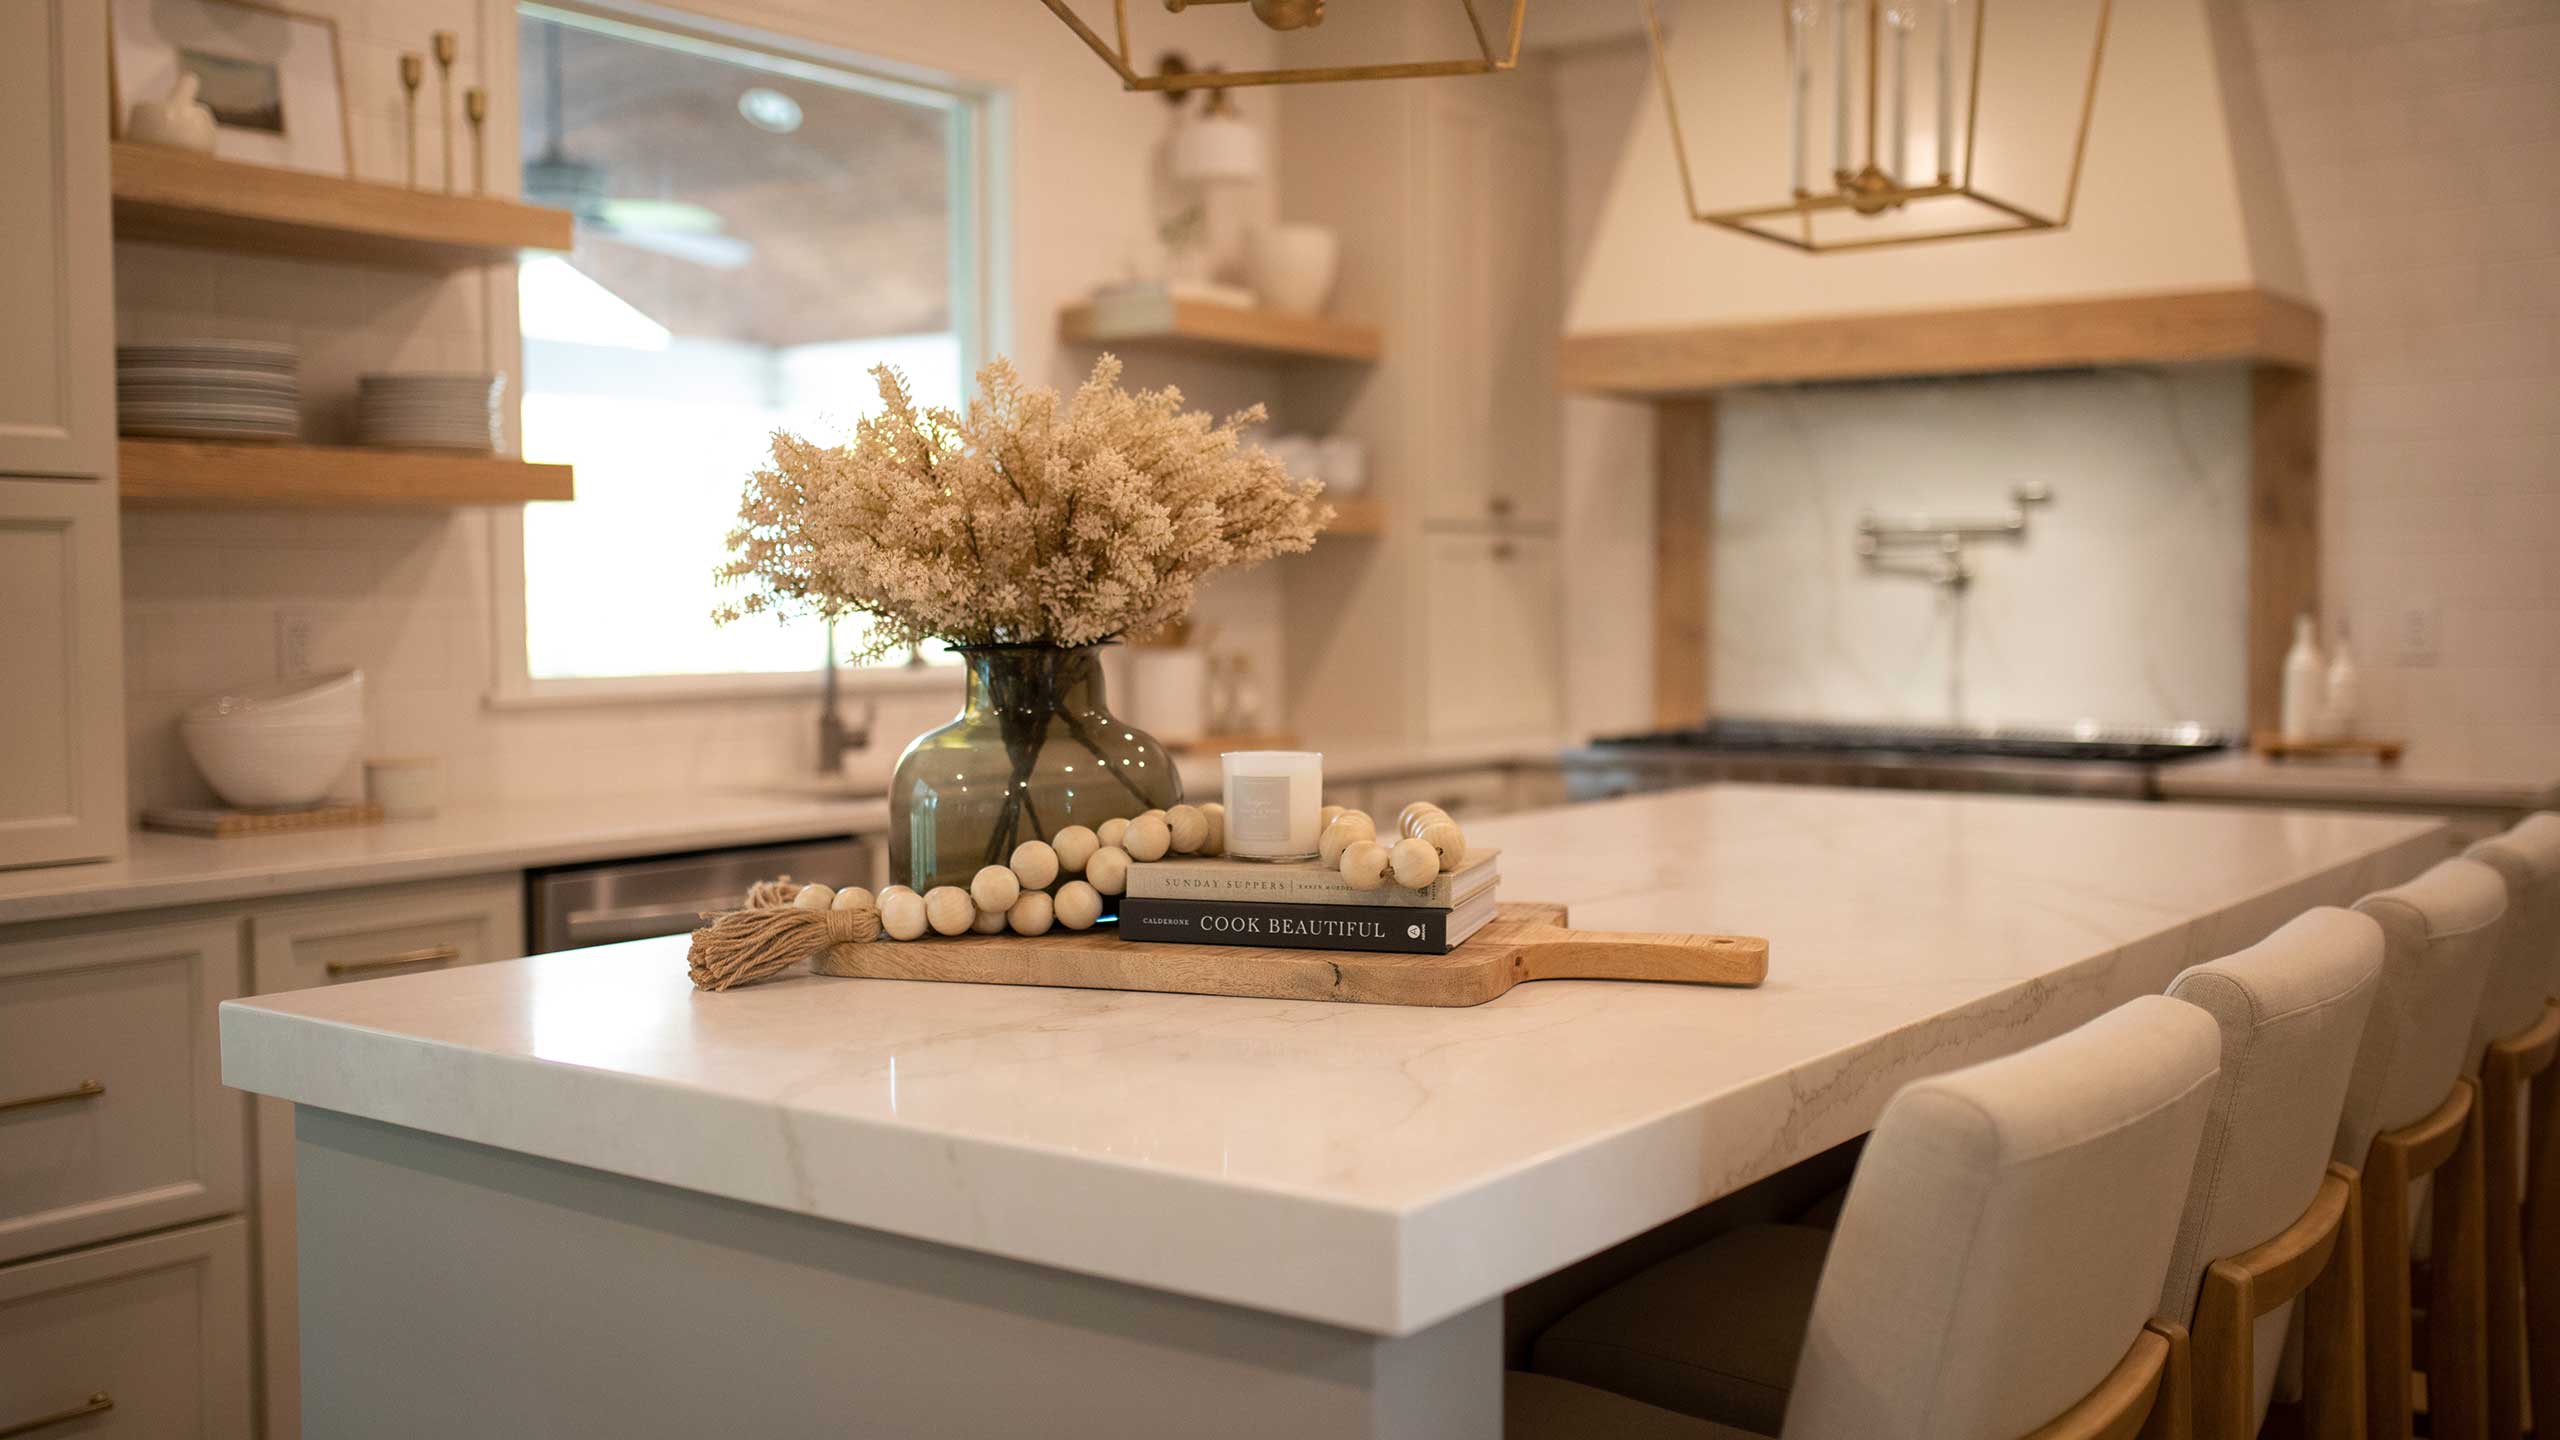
848, 215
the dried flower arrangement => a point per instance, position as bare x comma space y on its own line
1023, 522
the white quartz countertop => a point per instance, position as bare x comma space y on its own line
1375, 1167
2453, 779
160, 870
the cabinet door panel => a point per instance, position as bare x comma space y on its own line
118, 1120
143, 1340
56, 321
61, 648
1494, 640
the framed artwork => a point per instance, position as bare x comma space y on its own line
271, 76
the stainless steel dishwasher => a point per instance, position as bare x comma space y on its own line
578, 905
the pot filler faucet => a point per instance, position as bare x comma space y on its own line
1895, 544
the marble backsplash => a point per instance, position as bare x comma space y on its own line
2124, 601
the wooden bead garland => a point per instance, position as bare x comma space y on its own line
1060, 882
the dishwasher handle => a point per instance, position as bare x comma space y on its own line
642, 922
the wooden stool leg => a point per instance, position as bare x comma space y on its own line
2457, 1302
2542, 1253
2387, 1320
2502, 1244
2333, 1393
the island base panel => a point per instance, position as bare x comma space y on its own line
450, 1288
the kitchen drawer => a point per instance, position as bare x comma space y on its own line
113, 1116
145, 1338
387, 932
404, 931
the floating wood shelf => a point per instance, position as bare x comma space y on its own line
1226, 331
1358, 517
178, 198
234, 472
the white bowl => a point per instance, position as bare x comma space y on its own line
336, 696
277, 746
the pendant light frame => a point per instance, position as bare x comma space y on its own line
1870, 190
1492, 58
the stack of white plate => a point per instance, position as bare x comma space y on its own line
209, 389
443, 412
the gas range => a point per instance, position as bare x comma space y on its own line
2083, 759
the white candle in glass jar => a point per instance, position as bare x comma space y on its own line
1272, 800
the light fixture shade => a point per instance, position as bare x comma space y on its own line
1853, 124
1214, 149
1496, 48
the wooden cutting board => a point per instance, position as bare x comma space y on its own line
1522, 942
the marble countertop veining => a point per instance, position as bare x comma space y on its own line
1373, 1167
162, 870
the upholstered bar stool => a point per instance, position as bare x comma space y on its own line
1993, 1275
2408, 1119
2518, 1039
2270, 1217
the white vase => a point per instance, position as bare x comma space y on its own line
1293, 267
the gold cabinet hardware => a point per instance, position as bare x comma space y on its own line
85, 1090
98, 1403
429, 955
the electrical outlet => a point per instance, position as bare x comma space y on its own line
2418, 637
293, 643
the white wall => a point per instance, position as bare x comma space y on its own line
2402, 129
408, 596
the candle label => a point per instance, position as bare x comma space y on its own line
1258, 812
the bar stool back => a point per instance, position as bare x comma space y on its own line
2407, 1119
2269, 1216
2517, 1041
2005, 1237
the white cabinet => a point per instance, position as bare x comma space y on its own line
61, 611
143, 1340
339, 940
1492, 273
1495, 636
61, 651
113, 1115
57, 323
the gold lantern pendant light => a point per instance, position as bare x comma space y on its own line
1496, 51
1868, 178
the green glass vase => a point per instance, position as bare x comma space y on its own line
1035, 749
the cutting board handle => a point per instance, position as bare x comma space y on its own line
1607, 955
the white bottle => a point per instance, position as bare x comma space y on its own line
2303, 684
2339, 698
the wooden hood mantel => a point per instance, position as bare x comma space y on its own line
2260, 326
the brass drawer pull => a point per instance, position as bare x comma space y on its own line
430, 955
85, 1090
98, 1404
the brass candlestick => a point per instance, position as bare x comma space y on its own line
413, 73
475, 107
447, 46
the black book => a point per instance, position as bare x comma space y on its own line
1267, 925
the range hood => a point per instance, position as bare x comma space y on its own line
2182, 247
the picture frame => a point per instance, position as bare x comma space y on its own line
273, 77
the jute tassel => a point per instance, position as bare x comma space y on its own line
745, 946
766, 894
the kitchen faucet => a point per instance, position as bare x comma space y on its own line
834, 736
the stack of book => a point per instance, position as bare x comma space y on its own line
1304, 907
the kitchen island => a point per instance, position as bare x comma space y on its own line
569, 1195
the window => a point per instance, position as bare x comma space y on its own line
755, 231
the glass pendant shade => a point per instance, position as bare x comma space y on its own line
1217, 148
1852, 124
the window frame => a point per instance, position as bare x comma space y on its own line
981, 113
